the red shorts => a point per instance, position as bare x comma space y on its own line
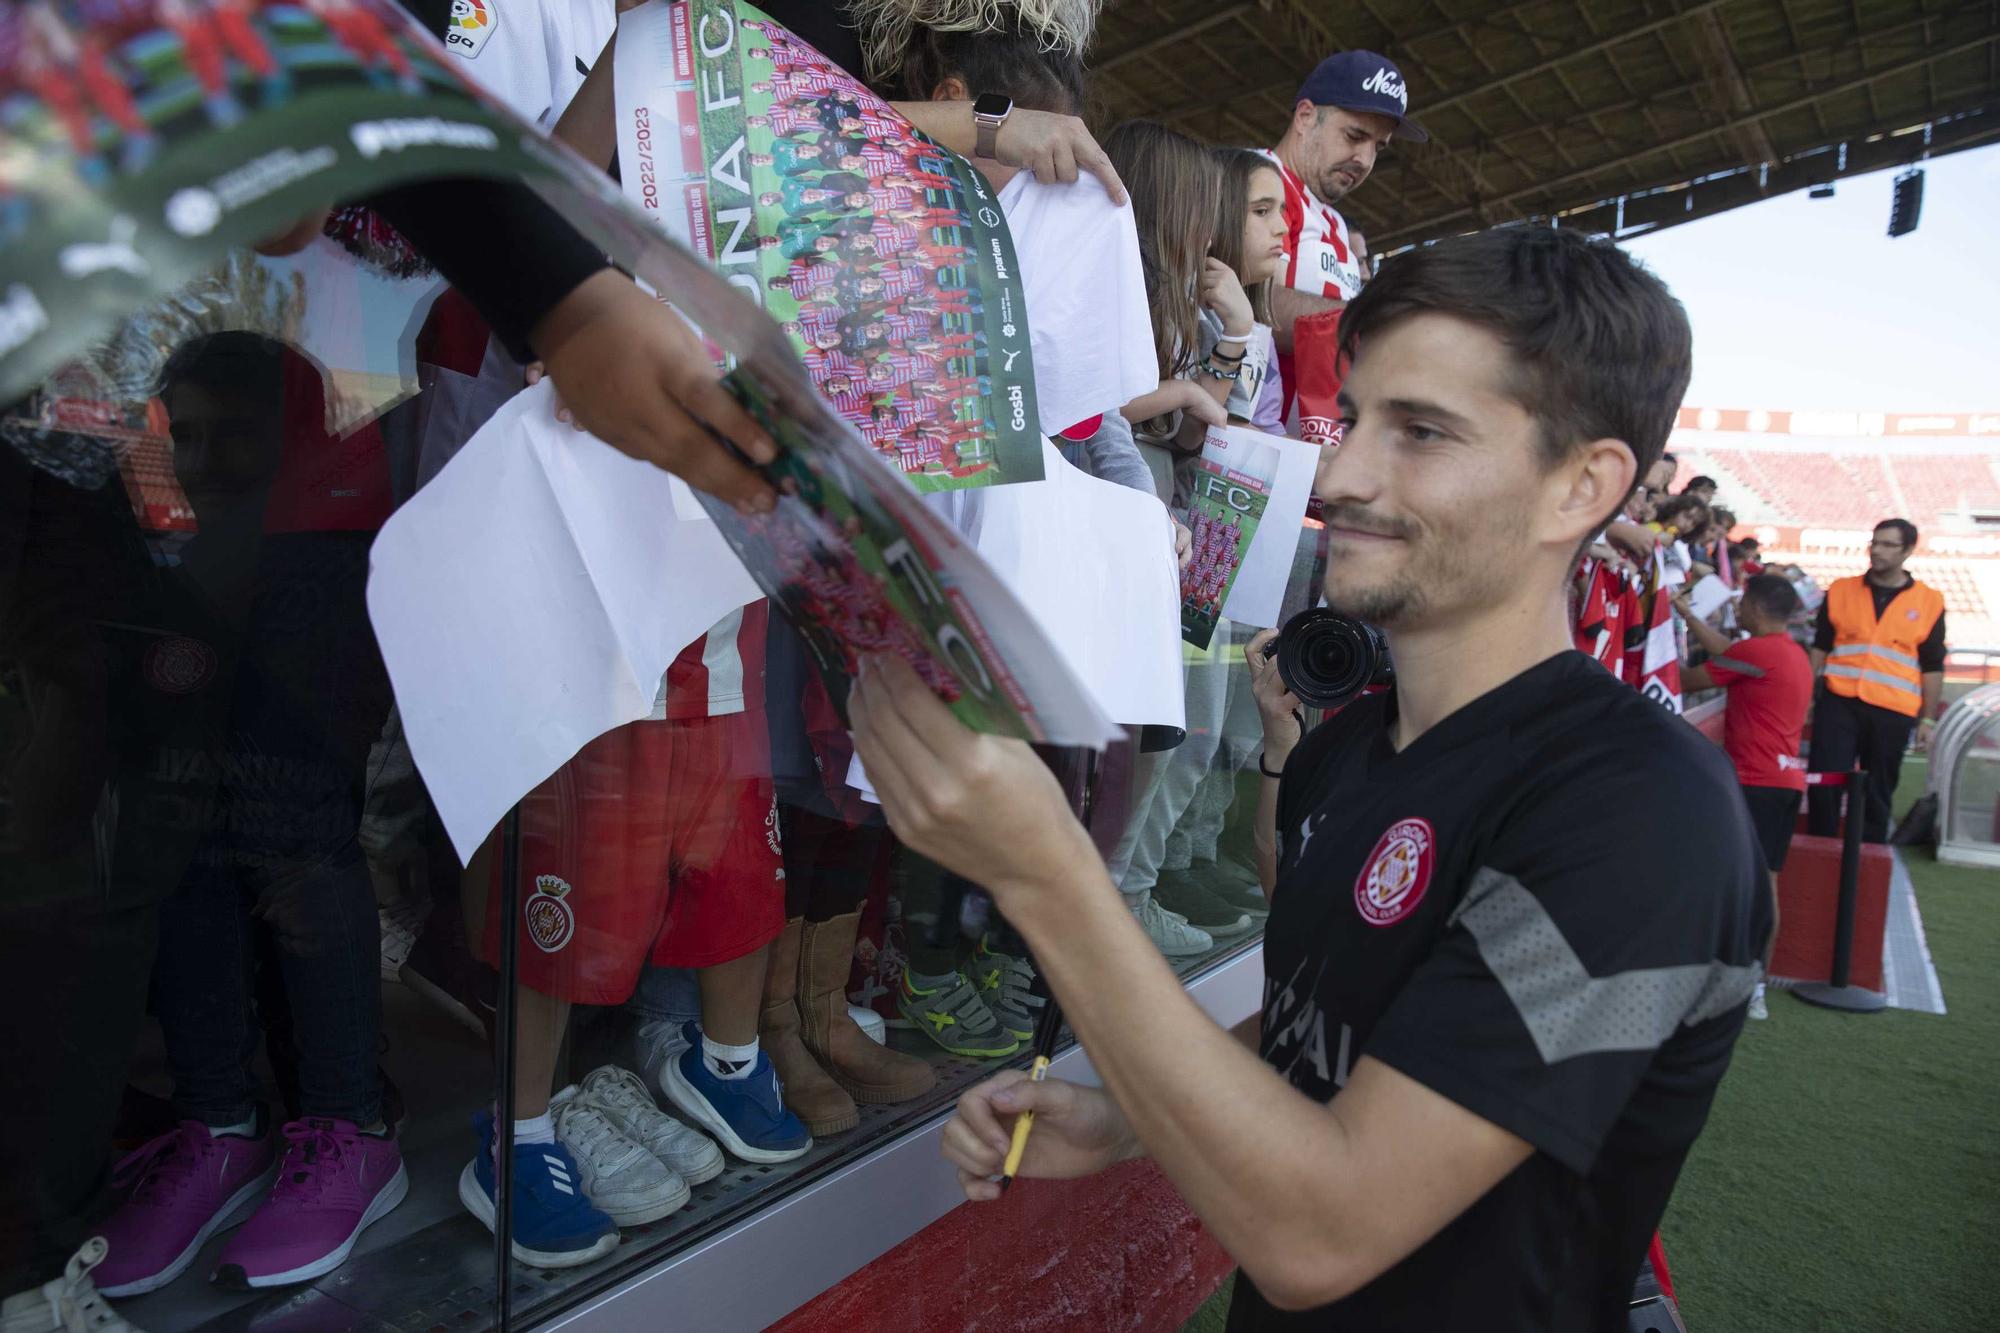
658, 843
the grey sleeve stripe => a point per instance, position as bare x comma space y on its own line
1741, 668
1567, 1011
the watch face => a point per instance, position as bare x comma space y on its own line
992, 105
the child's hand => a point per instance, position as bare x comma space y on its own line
1222, 292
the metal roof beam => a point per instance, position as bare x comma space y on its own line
1642, 151
1227, 14
1427, 109
1731, 89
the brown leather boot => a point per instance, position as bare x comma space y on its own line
809, 1093
870, 1071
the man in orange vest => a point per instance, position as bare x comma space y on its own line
1878, 650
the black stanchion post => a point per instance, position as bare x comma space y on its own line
1838, 992
503, 1036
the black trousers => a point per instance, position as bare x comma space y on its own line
1844, 730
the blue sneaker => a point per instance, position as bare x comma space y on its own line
555, 1225
746, 1115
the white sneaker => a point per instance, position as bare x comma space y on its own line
1170, 931
68, 1304
619, 1093
873, 1026
402, 922
628, 1184
1757, 1008
657, 1045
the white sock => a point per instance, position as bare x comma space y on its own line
539, 1129
1760, 990
243, 1127
726, 1061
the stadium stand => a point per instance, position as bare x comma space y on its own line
1846, 488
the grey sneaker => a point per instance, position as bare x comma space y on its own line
1170, 931
1183, 895
628, 1184
621, 1095
1005, 982
1235, 885
952, 1014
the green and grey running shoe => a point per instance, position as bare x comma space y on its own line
951, 1014
1005, 983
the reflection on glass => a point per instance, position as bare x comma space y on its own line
252, 984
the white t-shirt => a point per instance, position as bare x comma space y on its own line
531, 54
1088, 321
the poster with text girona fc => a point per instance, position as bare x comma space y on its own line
1228, 491
883, 255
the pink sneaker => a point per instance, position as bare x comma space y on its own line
334, 1181
186, 1186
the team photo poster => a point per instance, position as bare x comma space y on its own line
882, 255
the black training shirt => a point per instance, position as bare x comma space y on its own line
1549, 909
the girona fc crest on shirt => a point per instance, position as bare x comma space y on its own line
551, 922
1398, 871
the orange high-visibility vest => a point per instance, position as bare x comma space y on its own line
1873, 660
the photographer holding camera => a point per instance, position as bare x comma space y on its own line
1517, 909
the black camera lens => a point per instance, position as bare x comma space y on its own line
1327, 659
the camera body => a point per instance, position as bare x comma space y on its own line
1328, 659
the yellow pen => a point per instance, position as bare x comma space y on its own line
1022, 1124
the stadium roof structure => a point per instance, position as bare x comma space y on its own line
1618, 116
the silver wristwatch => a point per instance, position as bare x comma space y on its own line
989, 113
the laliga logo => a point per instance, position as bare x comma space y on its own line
472, 22
1389, 84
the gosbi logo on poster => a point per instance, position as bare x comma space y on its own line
1397, 872
472, 22
551, 921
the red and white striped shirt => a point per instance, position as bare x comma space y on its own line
720, 673
1319, 259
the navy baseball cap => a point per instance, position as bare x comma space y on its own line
1363, 81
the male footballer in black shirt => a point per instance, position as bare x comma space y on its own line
1517, 909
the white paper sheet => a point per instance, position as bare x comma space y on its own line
529, 599
1094, 562
1708, 595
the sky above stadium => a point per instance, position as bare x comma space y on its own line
1801, 302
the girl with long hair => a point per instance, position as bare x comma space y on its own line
1250, 236
1204, 323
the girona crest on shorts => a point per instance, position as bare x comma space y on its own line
551, 921
1397, 872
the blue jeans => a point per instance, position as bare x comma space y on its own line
666, 995
326, 941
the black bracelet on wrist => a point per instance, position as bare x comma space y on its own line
1264, 769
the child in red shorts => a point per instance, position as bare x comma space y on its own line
657, 844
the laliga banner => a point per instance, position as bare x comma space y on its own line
883, 255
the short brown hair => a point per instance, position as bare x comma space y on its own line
1602, 350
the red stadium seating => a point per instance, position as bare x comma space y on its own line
1855, 490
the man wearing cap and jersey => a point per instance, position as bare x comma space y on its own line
1347, 110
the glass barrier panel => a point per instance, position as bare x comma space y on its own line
248, 1037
